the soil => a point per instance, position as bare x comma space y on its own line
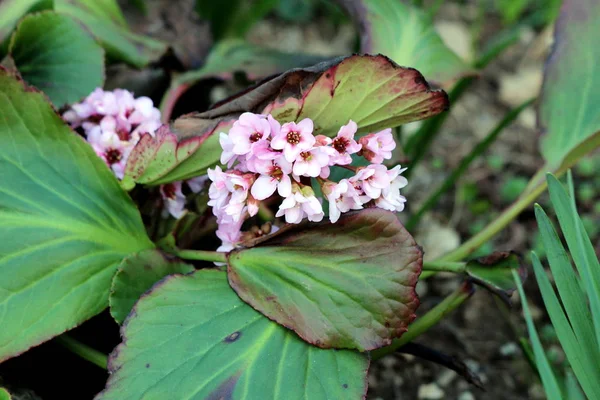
483, 333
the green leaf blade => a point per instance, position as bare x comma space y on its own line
407, 35
344, 285
584, 366
119, 42
55, 54
66, 223
192, 337
580, 247
136, 275
567, 282
568, 108
549, 381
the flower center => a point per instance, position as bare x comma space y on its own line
255, 137
276, 172
113, 156
293, 137
340, 144
123, 134
306, 156
169, 191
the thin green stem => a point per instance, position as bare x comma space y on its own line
432, 317
201, 255
495, 226
456, 267
478, 150
82, 350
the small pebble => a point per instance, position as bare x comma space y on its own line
509, 349
466, 396
430, 391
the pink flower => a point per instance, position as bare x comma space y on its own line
391, 199
373, 180
173, 198
294, 138
344, 144
218, 192
378, 146
247, 130
322, 140
238, 185
108, 117
342, 197
300, 204
113, 151
311, 162
197, 184
228, 157
275, 177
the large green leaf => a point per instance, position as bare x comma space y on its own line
191, 337
568, 113
344, 285
4, 395
371, 90
106, 25
55, 54
12, 10
406, 34
136, 275
66, 223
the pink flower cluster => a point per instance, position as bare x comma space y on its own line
113, 122
265, 157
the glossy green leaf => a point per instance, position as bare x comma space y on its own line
406, 34
55, 54
541, 361
119, 42
191, 337
11, 11
494, 273
388, 95
229, 56
66, 223
137, 274
4, 395
345, 285
568, 112
107, 10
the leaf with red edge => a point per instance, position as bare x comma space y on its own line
371, 90
344, 285
191, 337
154, 157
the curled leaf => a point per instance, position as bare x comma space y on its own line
371, 90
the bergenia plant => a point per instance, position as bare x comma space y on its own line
254, 249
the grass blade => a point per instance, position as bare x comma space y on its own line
567, 282
547, 376
585, 368
581, 248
